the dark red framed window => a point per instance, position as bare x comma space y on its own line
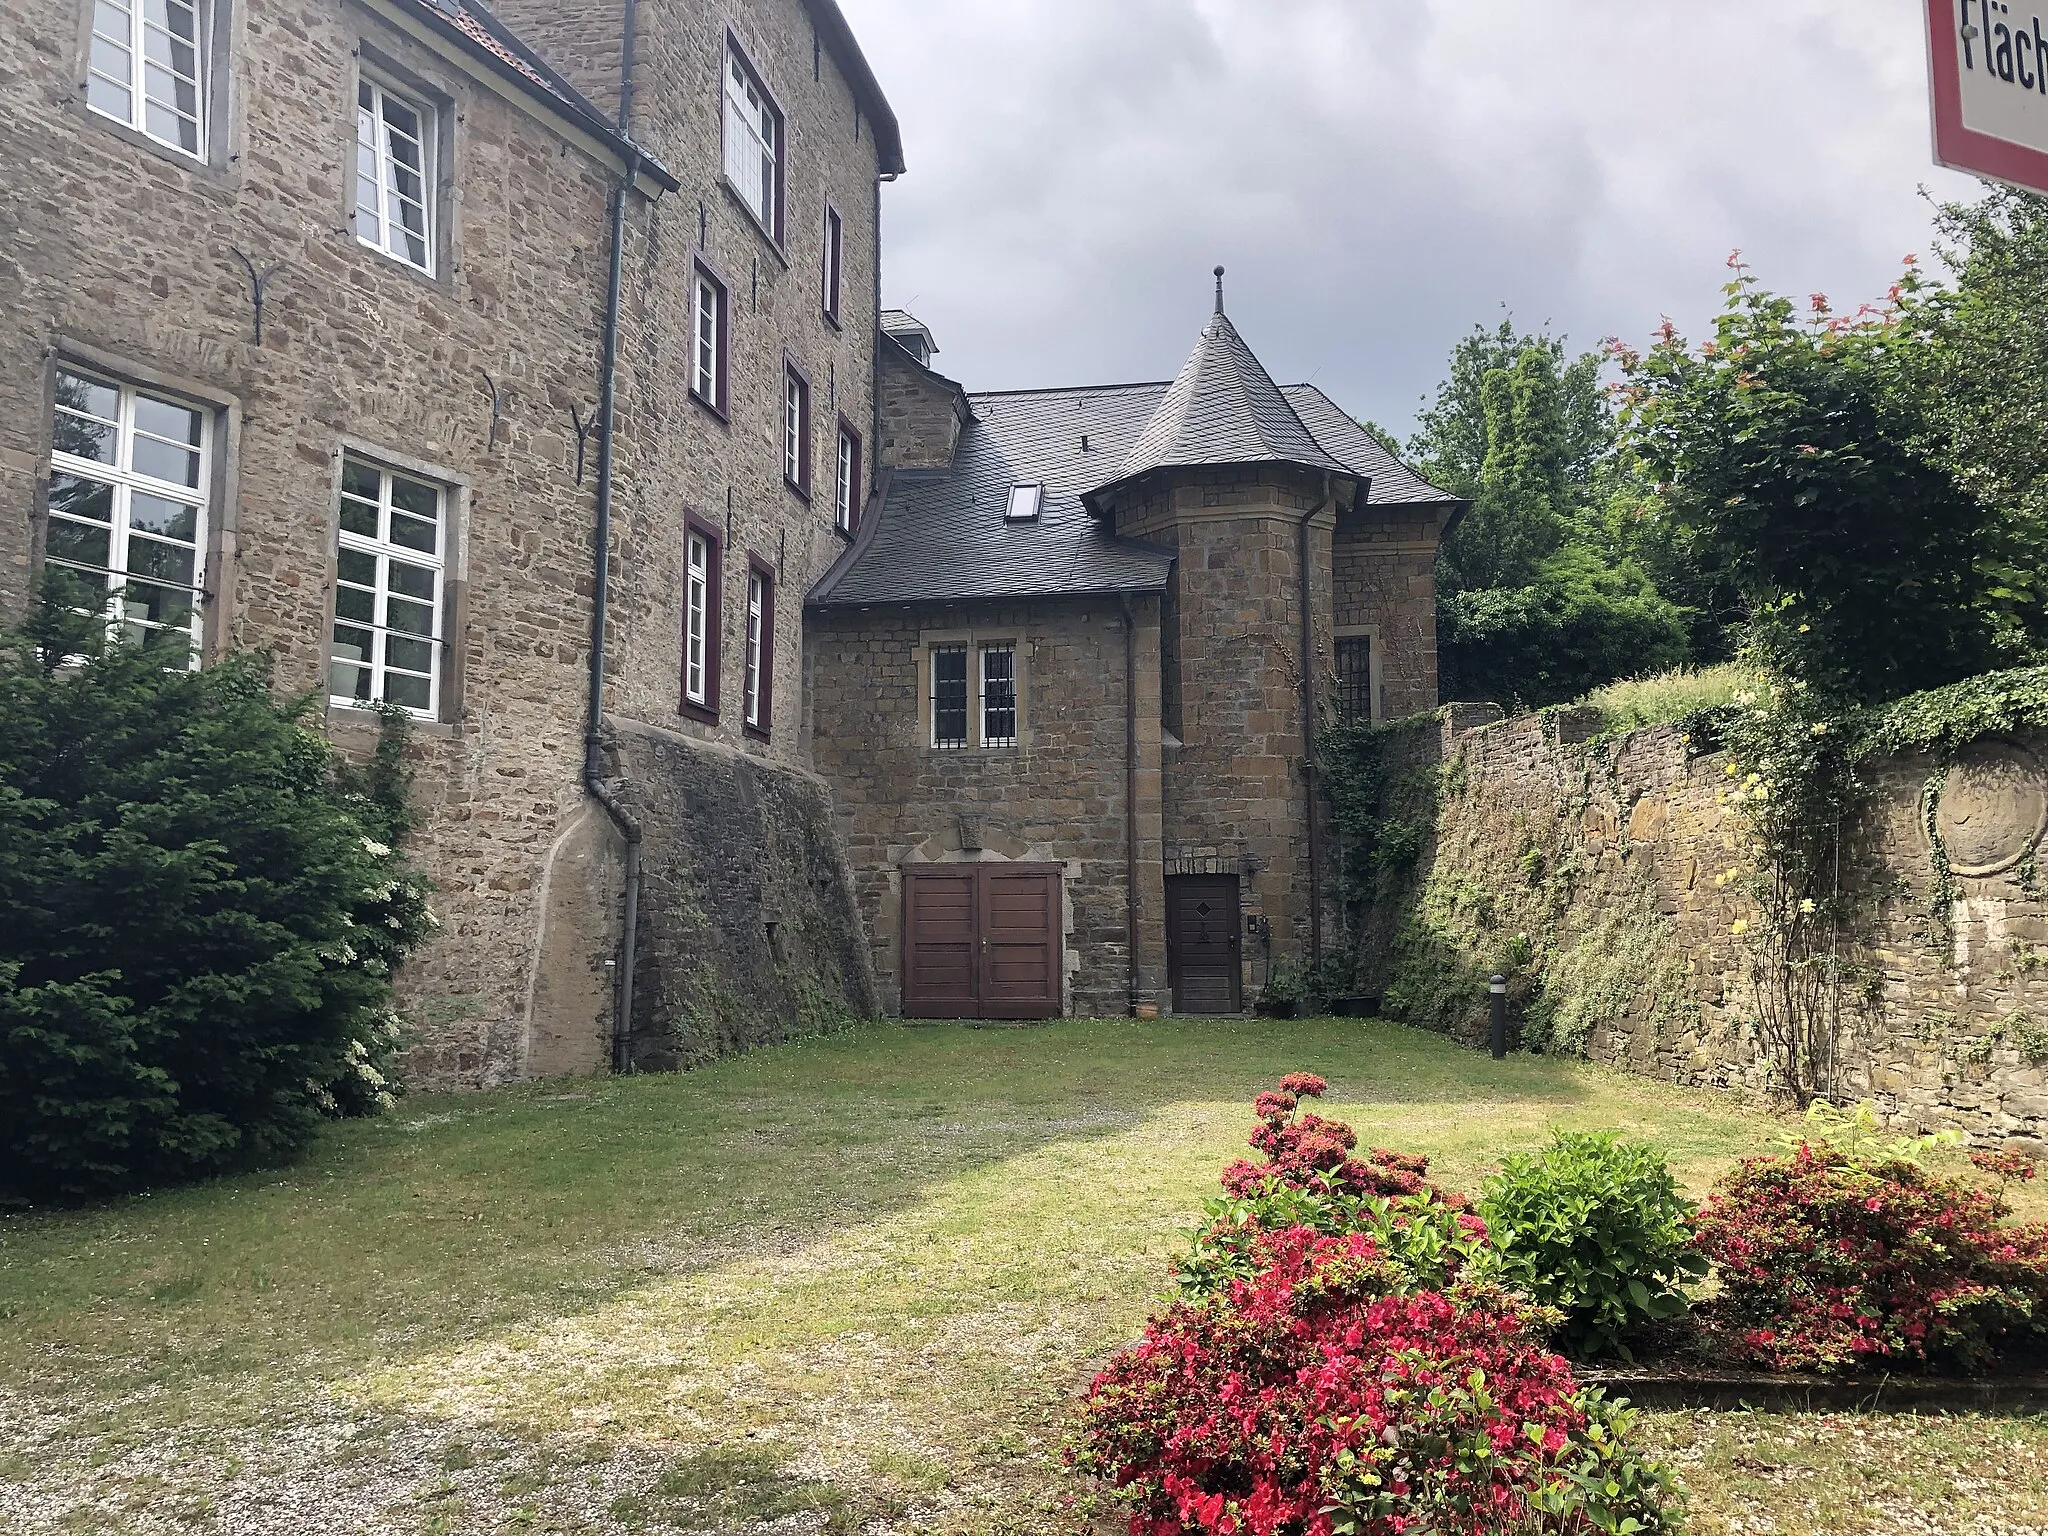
755, 142
710, 338
760, 669
846, 483
703, 585
835, 262
796, 430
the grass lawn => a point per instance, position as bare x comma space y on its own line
846, 1284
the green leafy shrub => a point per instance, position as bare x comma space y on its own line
1579, 623
1595, 1227
199, 913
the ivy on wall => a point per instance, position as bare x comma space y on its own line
1436, 914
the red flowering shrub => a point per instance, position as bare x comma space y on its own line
1305, 1151
2015, 1167
1829, 1261
1310, 1179
1316, 1399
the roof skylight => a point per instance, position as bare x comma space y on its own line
1024, 503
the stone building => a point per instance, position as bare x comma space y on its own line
526, 369
312, 315
1064, 685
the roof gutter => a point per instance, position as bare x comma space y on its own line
584, 128
867, 90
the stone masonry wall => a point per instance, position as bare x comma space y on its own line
1587, 869
1235, 797
920, 413
1058, 796
679, 458
1385, 582
119, 255
750, 932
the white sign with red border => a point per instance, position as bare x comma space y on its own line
1989, 62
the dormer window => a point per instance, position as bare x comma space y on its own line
1024, 503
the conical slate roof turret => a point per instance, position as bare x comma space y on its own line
1224, 408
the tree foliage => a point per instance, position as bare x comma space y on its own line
1534, 606
199, 914
1798, 451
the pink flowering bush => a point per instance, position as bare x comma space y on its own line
1320, 1399
1310, 1179
1830, 1261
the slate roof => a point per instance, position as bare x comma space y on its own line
483, 33
1393, 483
1224, 408
940, 534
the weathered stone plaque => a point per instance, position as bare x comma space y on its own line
1993, 808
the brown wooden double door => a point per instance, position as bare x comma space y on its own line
981, 941
1202, 944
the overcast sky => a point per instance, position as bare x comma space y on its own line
1379, 174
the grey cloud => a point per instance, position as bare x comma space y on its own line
1379, 174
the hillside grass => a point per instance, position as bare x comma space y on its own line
847, 1284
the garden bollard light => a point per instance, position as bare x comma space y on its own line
1498, 986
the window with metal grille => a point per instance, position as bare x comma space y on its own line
129, 473
148, 68
394, 175
998, 696
387, 594
1354, 679
753, 143
949, 696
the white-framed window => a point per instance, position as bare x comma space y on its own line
148, 68
835, 256
760, 647
846, 482
394, 174
388, 590
753, 143
129, 473
999, 695
949, 696
700, 620
796, 430
708, 329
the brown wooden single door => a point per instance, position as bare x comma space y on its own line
981, 941
1202, 944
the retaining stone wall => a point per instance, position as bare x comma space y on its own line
1604, 854
749, 932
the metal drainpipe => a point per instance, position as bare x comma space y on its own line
1131, 800
601, 540
1308, 742
628, 52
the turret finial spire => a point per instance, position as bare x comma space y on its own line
1219, 290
